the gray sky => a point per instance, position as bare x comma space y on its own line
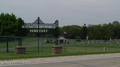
68, 12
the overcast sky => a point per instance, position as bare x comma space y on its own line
68, 12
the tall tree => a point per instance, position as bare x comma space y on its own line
91, 36
72, 31
84, 32
116, 29
10, 25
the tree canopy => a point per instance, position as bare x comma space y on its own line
10, 25
100, 31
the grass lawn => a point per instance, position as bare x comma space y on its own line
46, 51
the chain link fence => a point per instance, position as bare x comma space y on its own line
35, 45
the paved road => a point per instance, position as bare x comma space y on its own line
106, 62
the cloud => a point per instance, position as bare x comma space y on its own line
66, 11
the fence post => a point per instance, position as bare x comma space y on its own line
65, 48
86, 46
15, 42
42, 45
38, 35
7, 45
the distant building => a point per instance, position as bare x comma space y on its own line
62, 40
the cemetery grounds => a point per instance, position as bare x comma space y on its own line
45, 48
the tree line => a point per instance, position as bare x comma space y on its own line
10, 25
100, 31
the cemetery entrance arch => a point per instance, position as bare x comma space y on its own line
38, 27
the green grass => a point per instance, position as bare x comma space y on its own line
46, 51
